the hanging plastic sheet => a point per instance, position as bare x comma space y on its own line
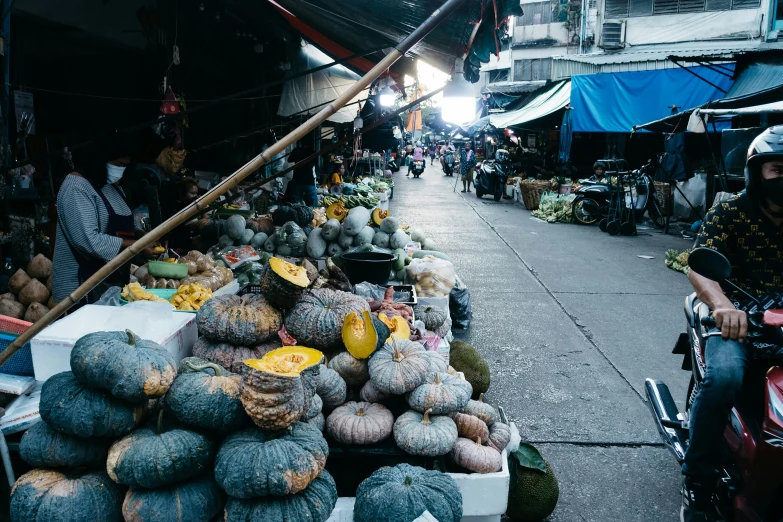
566, 137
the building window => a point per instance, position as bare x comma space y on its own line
531, 70
538, 13
627, 8
498, 75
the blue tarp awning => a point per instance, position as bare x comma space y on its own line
615, 102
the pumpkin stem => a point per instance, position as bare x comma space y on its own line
408, 481
426, 419
478, 441
160, 421
437, 378
481, 397
190, 366
131, 337
360, 413
398, 357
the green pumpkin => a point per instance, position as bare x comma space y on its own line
404, 492
442, 394
198, 500
72, 408
313, 504
315, 409
130, 368
399, 367
161, 455
204, 395
229, 356
317, 319
433, 317
50, 496
253, 463
330, 387
420, 434
248, 320
44, 447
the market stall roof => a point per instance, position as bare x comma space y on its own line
757, 78
361, 26
551, 100
616, 102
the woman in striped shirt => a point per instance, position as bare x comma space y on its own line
94, 222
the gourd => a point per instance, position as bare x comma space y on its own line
471, 455
159, 455
130, 368
248, 320
258, 240
364, 237
270, 244
445, 394
276, 390
344, 240
399, 239
299, 214
225, 241
429, 244
316, 320
363, 334
482, 410
470, 427
443, 331
44, 447
399, 261
399, 328
499, 436
337, 211
334, 249
404, 492
296, 239
252, 463
417, 235
379, 215
245, 238
466, 359
204, 395
330, 387
47, 496
433, 253
197, 500
235, 227
331, 230
398, 367
229, 355
283, 283
369, 393
356, 220
359, 423
72, 408
381, 239
390, 225
420, 434
315, 503
432, 316
354, 371
316, 243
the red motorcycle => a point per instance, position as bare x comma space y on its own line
750, 486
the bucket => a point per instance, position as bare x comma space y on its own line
370, 267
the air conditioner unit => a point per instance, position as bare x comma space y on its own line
612, 35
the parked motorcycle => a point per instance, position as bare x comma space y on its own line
594, 200
392, 165
448, 163
491, 175
417, 167
751, 481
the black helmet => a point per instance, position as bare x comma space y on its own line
766, 147
599, 164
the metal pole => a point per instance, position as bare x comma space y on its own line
583, 26
200, 205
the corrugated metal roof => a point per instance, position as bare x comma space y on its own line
756, 78
513, 87
544, 104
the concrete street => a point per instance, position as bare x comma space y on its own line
571, 321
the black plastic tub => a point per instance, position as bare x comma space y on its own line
370, 267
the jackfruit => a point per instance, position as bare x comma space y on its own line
532, 494
464, 358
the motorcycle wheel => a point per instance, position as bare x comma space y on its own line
658, 219
602, 224
613, 227
583, 212
628, 229
479, 193
498, 195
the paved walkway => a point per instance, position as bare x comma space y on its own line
571, 321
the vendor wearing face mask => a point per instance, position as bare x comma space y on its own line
94, 221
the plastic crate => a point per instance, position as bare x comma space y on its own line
21, 363
249, 289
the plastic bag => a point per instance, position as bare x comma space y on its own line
371, 291
111, 297
432, 277
459, 305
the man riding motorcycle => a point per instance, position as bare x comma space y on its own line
748, 229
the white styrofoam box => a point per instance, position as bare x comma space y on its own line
230, 289
15, 384
157, 322
22, 412
484, 496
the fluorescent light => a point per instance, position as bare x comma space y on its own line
459, 98
387, 97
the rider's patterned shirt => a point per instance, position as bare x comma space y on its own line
738, 229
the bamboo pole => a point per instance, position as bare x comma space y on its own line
200, 205
331, 147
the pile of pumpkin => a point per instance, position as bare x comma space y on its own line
29, 295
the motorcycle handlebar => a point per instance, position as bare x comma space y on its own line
708, 321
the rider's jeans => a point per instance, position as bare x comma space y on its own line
727, 362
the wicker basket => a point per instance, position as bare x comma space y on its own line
665, 197
533, 190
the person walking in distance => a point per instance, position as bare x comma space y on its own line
467, 166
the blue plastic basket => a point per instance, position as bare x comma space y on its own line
21, 363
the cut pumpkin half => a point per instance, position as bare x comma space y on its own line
363, 334
288, 361
398, 327
336, 211
379, 215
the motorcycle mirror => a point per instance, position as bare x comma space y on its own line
710, 264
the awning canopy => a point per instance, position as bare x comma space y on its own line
700, 117
546, 103
617, 102
756, 79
